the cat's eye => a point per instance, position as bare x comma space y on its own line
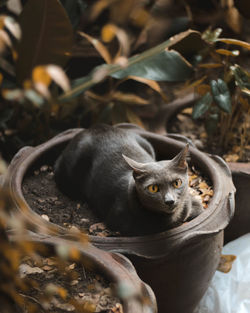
177, 183
153, 188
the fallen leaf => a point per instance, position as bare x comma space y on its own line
45, 217
25, 269
47, 268
226, 262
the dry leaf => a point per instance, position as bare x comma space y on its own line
233, 53
210, 65
40, 75
129, 98
25, 269
97, 227
103, 51
58, 76
236, 42
45, 217
226, 262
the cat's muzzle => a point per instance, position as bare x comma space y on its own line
170, 207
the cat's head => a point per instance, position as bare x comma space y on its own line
161, 186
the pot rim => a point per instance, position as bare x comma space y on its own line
214, 166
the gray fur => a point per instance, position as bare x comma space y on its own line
111, 169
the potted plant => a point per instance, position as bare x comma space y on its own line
171, 262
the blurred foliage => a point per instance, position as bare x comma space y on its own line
39, 273
44, 268
16, 289
123, 59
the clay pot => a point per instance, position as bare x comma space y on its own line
240, 224
114, 267
179, 263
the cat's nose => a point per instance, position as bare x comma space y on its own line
169, 202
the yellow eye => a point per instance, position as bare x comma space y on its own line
177, 183
153, 188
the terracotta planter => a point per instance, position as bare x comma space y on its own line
178, 264
115, 268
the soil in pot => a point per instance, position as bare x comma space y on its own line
43, 196
59, 286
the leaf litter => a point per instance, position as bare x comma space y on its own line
43, 196
59, 286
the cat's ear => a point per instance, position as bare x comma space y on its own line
180, 160
138, 168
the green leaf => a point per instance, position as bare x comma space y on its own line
47, 36
211, 123
157, 63
242, 78
165, 66
221, 95
202, 106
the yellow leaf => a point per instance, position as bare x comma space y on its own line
40, 75
151, 83
194, 84
210, 65
74, 253
103, 51
108, 33
233, 53
235, 42
226, 262
203, 185
62, 292
129, 98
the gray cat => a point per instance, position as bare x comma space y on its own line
114, 170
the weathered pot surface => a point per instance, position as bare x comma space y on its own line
179, 263
115, 267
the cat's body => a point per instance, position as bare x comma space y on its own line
115, 172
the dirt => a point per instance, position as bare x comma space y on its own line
59, 286
43, 196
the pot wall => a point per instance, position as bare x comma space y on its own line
180, 280
178, 264
240, 224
